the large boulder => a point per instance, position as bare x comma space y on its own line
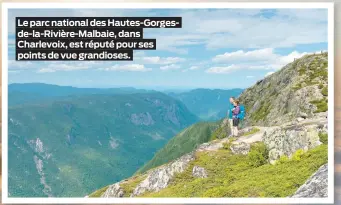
316, 186
240, 148
199, 172
113, 191
159, 178
287, 140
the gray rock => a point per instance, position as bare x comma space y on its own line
159, 178
210, 146
142, 119
285, 96
199, 172
303, 115
287, 140
113, 191
240, 148
315, 186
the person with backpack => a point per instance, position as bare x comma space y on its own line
240, 116
235, 118
230, 113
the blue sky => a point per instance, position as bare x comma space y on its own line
215, 48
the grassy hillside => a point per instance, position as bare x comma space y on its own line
184, 142
237, 176
70, 146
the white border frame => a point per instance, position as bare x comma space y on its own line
329, 199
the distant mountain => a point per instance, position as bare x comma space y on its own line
207, 104
38, 92
69, 146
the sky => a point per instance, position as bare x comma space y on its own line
215, 48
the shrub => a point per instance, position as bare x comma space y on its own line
302, 71
283, 159
323, 137
258, 155
99, 192
324, 91
262, 112
228, 144
320, 86
298, 155
322, 105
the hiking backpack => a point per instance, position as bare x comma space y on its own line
241, 114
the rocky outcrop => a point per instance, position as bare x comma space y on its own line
287, 140
159, 178
113, 191
199, 172
142, 119
299, 87
316, 185
240, 148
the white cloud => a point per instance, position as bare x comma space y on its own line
254, 55
269, 73
260, 59
223, 69
170, 67
53, 67
159, 60
19, 65
238, 28
127, 67
193, 68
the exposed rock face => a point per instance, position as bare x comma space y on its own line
199, 172
113, 191
288, 93
142, 119
287, 140
316, 186
240, 148
159, 178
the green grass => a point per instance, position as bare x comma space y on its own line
323, 137
99, 192
130, 185
302, 71
324, 91
232, 176
221, 132
262, 112
322, 105
252, 131
258, 155
227, 145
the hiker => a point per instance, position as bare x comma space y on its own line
235, 118
230, 113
